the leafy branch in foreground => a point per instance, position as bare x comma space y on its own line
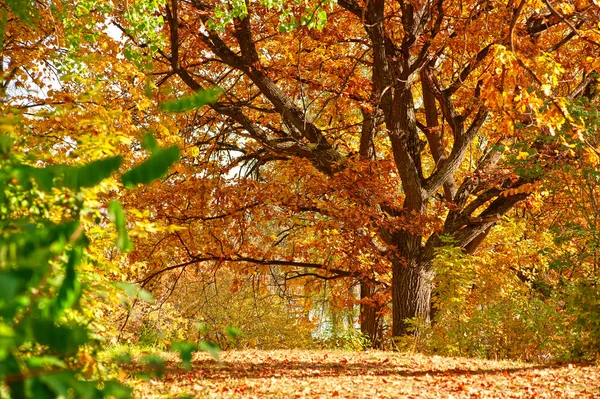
43, 335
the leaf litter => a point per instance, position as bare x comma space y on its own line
369, 374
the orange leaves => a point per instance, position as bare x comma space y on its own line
386, 375
526, 188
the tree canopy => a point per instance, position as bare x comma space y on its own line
401, 126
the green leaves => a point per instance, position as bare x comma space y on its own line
116, 215
194, 101
39, 278
6, 143
70, 290
154, 363
210, 347
185, 350
134, 292
89, 175
64, 339
154, 167
62, 176
232, 332
23, 9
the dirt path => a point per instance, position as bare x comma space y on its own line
338, 374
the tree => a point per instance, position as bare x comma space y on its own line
419, 120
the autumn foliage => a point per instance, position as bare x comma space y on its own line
424, 171
355, 140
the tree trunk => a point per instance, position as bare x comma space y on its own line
411, 293
370, 318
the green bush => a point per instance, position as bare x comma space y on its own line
349, 339
489, 306
45, 340
47, 345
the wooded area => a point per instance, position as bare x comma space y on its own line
405, 175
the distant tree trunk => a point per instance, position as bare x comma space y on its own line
411, 294
371, 321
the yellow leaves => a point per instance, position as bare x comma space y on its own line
526, 188
193, 152
172, 228
522, 155
592, 155
503, 54
7, 124
124, 139
144, 103
594, 63
547, 89
564, 8
163, 130
144, 228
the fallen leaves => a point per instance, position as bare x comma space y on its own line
371, 374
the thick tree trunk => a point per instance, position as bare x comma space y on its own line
371, 321
411, 293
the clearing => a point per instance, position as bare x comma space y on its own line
371, 374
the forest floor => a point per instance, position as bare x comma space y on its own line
371, 374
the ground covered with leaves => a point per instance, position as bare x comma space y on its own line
372, 374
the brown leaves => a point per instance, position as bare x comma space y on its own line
318, 374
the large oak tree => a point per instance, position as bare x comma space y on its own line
411, 124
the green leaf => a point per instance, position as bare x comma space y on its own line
45, 361
91, 174
194, 101
155, 363
201, 327
39, 389
7, 340
70, 290
116, 215
150, 143
65, 340
146, 296
123, 358
129, 289
210, 347
321, 19
6, 143
185, 349
11, 283
65, 384
12, 366
153, 168
44, 177
133, 292
116, 390
23, 9
232, 332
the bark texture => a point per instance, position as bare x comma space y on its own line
371, 317
411, 293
